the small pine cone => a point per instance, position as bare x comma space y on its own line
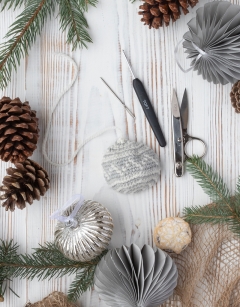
23, 184
18, 130
156, 12
235, 96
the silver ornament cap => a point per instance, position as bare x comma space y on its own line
87, 235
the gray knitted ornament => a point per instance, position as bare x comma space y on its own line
130, 167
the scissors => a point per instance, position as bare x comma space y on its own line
180, 135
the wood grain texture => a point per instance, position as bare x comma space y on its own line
89, 107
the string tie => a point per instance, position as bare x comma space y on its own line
70, 220
199, 50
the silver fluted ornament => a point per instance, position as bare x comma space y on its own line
88, 235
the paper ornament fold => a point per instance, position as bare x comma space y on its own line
213, 42
135, 277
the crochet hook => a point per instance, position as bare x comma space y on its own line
147, 107
126, 108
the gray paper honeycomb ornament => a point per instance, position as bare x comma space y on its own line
134, 277
130, 167
88, 236
213, 42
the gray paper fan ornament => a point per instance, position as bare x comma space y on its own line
134, 277
213, 42
130, 167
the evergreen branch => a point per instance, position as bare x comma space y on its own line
211, 182
226, 209
72, 17
213, 214
11, 3
45, 263
22, 35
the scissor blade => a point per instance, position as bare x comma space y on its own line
184, 110
175, 106
178, 147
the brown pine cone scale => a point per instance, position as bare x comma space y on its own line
156, 12
18, 130
23, 184
235, 96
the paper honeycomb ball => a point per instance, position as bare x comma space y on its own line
134, 277
212, 42
172, 234
130, 167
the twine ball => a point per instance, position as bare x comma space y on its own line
172, 234
130, 167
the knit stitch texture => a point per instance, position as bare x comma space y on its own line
130, 167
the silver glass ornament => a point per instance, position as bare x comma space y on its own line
134, 277
88, 235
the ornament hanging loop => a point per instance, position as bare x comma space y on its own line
70, 221
199, 50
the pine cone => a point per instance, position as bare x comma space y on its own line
155, 12
25, 183
18, 130
235, 96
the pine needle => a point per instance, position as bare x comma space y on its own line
11, 4
85, 3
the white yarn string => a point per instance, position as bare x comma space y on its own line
80, 146
75, 199
200, 51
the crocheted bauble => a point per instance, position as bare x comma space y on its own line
130, 167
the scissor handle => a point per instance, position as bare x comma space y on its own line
188, 139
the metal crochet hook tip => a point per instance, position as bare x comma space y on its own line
130, 67
126, 108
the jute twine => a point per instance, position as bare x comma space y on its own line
209, 270
55, 299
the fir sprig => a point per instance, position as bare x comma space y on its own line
45, 263
21, 36
224, 209
210, 181
23, 32
72, 18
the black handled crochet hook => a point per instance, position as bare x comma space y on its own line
147, 107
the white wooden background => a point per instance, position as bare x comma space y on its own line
89, 106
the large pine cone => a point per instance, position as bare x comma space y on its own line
18, 130
155, 12
235, 96
25, 183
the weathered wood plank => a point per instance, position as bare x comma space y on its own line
88, 107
